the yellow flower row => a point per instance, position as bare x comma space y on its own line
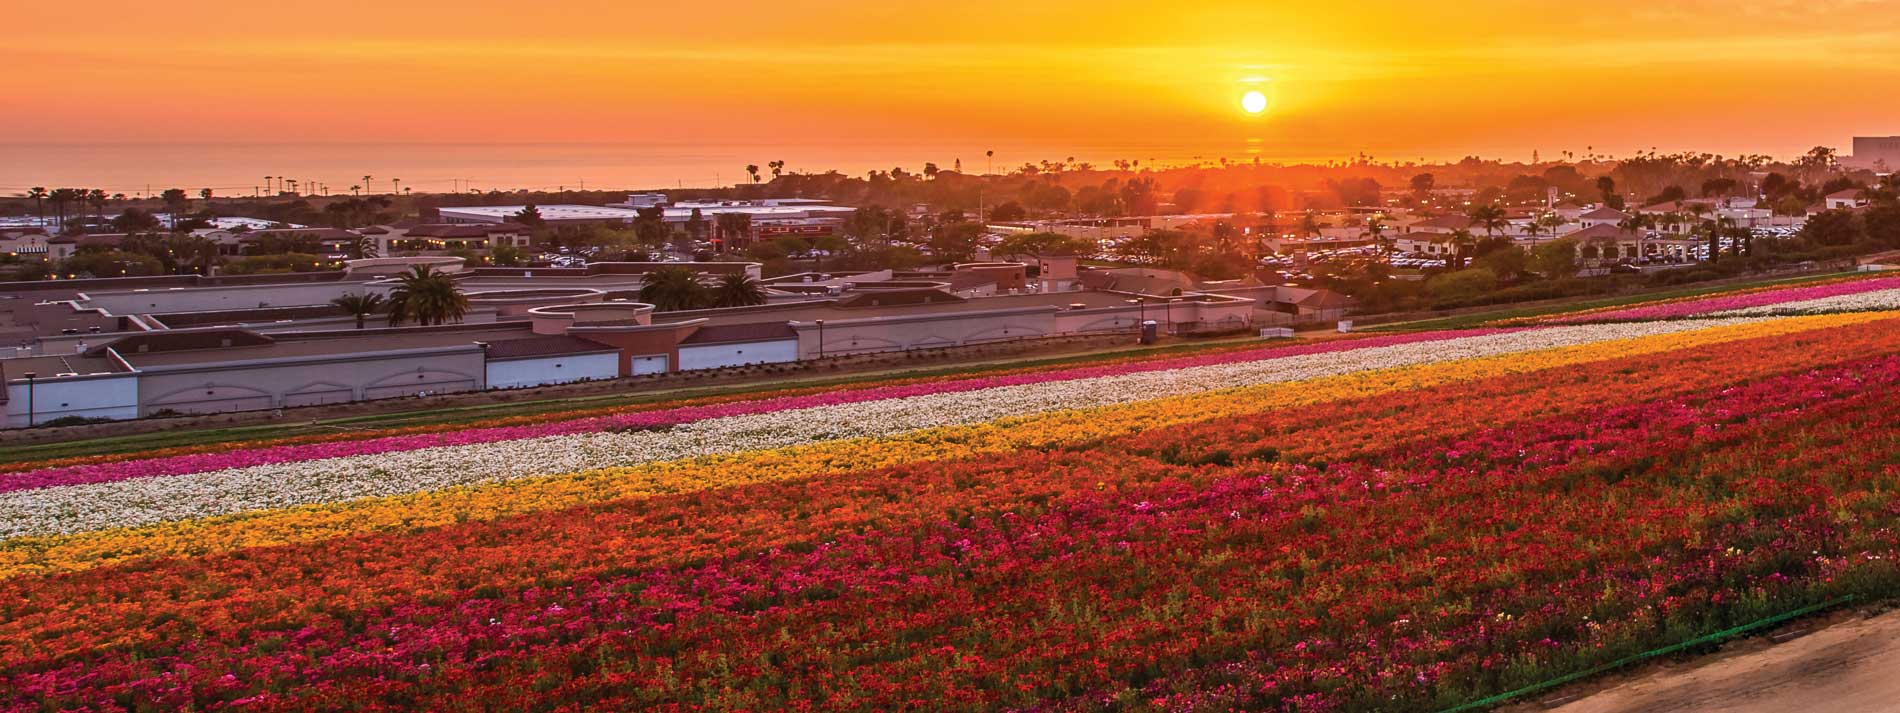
316, 523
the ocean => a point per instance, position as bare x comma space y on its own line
240, 169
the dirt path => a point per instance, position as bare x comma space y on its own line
1848, 664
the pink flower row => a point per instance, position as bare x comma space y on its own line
204, 462
1741, 301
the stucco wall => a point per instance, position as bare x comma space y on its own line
935, 331
948, 330
713, 356
242, 387
538, 371
95, 397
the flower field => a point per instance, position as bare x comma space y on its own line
1390, 523
1850, 294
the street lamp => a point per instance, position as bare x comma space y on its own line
29, 398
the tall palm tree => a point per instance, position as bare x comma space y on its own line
1461, 244
38, 194
1376, 229
672, 288
1490, 218
426, 296
1712, 229
359, 305
97, 197
737, 290
1551, 222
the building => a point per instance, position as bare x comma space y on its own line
136, 347
1423, 243
1878, 153
1603, 243
1603, 215
26, 244
1844, 200
442, 238
1441, 225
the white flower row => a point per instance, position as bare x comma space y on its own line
141, 501
1876, 301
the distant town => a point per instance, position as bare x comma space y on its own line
122, 307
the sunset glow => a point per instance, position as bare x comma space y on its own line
1389, 78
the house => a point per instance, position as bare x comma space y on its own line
29, 244
1604, 243
439, 238
1602, 216
1844, 200
1441, 225
1423, 244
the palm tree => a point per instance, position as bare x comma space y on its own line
737, 290
1490, 218
359, 305
1713, 230
1552, 222
38, 194
732, 228
426, 296
672, 288
97, 197
1461, 243
1376, 229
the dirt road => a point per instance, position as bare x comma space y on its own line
1849, 665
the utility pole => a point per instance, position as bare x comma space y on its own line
29, 399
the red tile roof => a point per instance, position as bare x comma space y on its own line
1604, 213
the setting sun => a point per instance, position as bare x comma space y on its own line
1253, 102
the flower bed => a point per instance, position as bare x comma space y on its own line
1741, 301
1361, 529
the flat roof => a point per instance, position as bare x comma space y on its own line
590, 212
827, 310
52, 365
342, 344
560, 211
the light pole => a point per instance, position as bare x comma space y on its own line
821, 339
484, 347
29, 399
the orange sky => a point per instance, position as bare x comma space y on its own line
1400, 80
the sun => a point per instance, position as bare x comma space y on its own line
1253, 102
